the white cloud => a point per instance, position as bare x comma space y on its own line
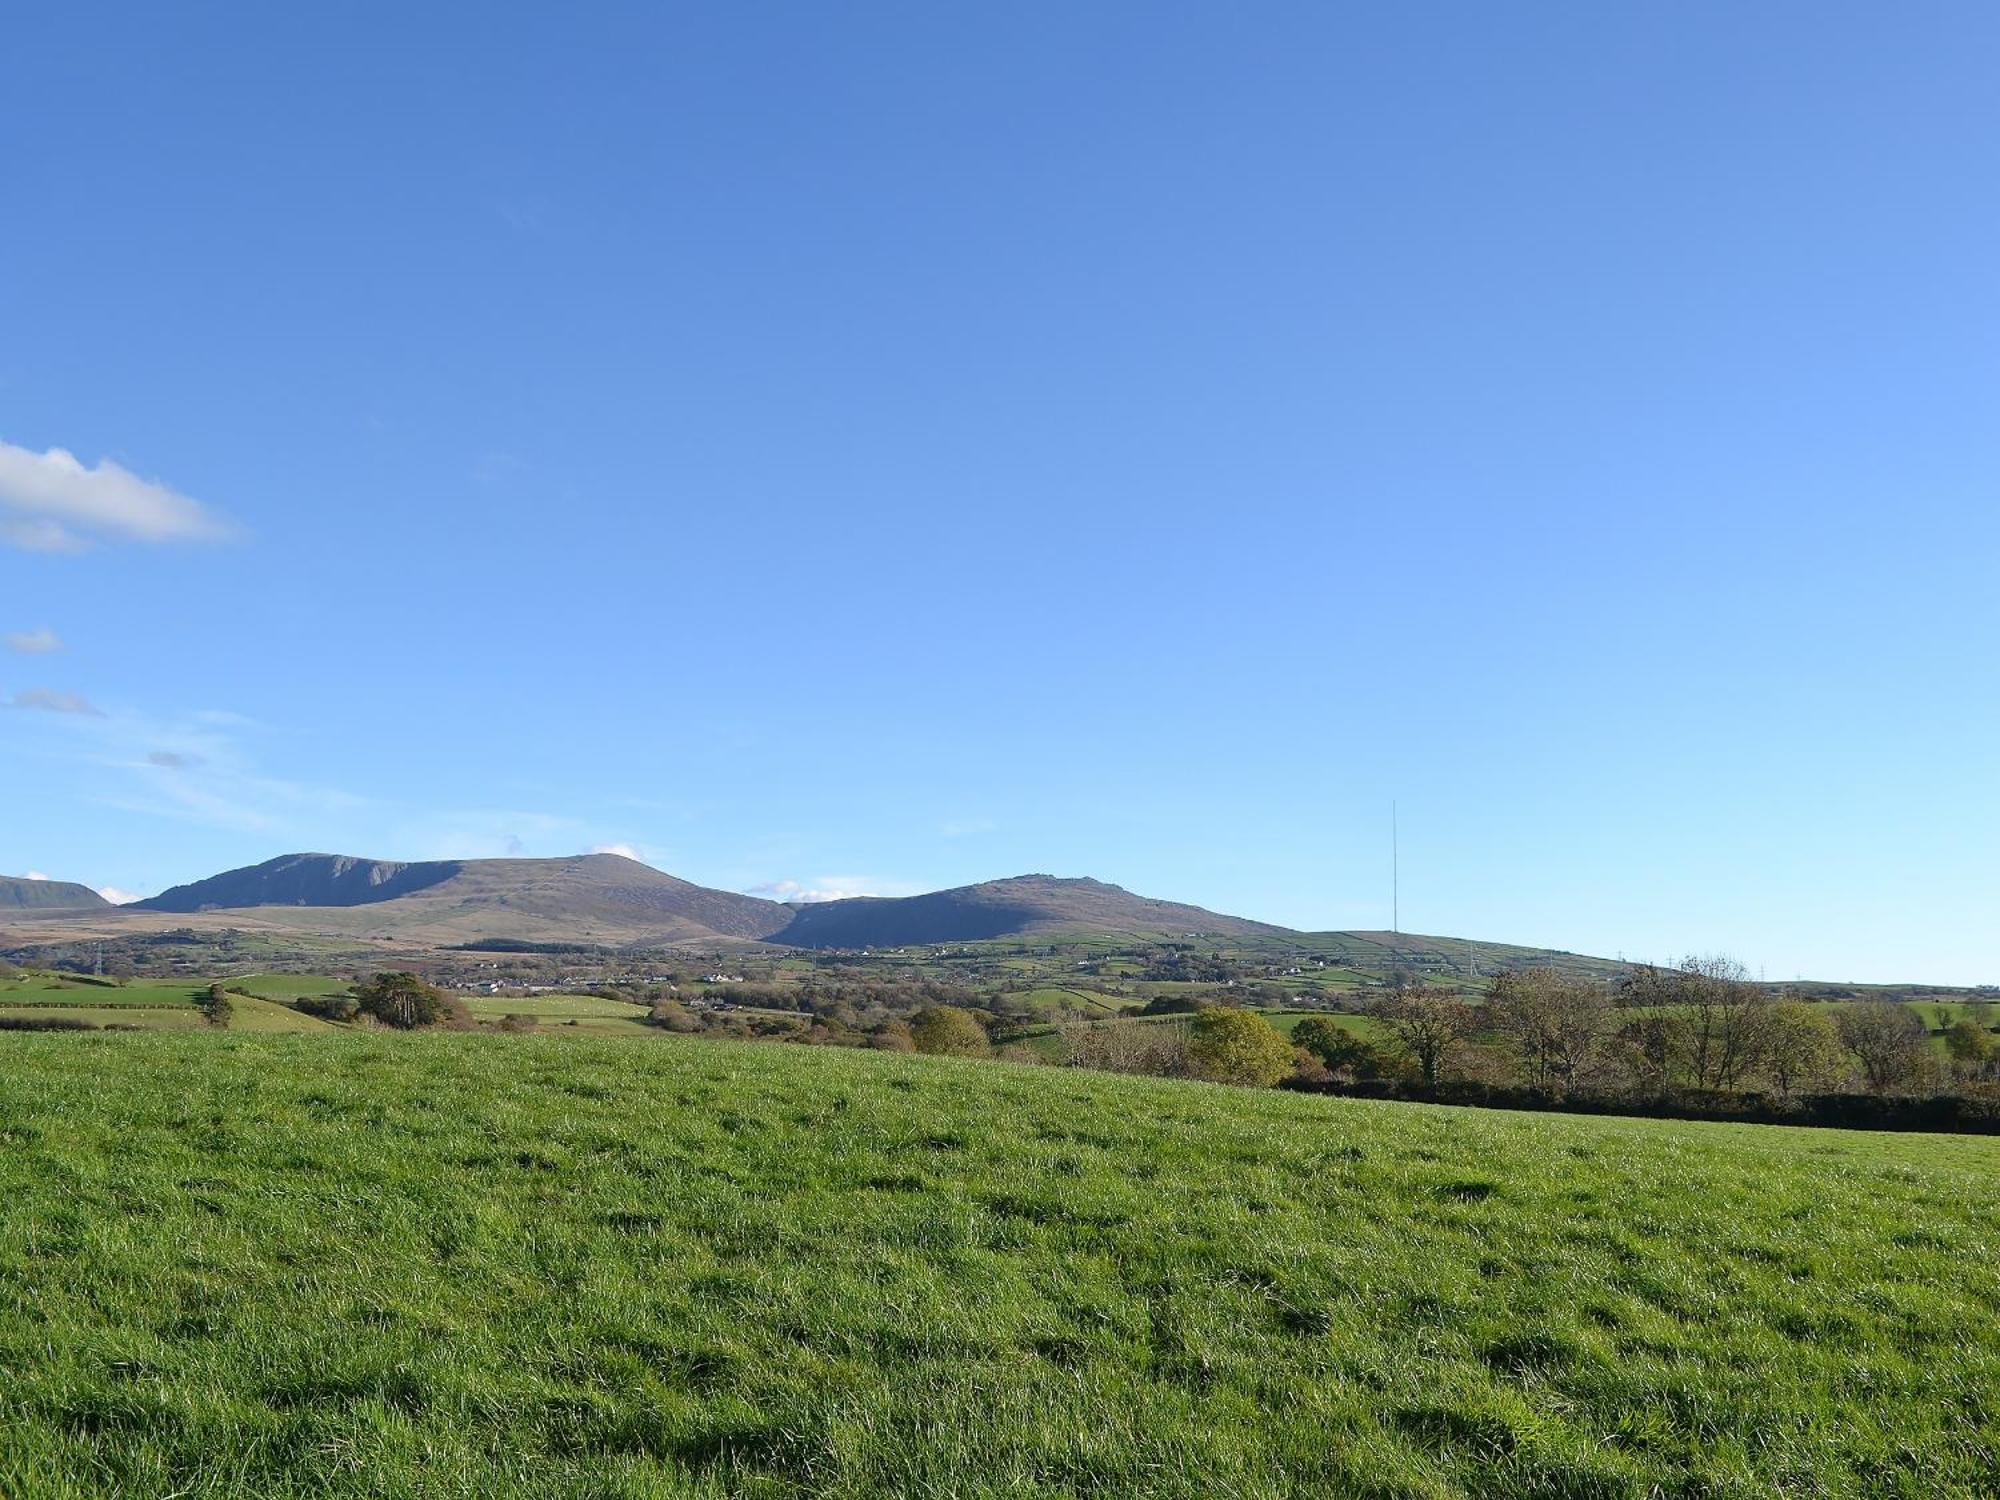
36, 875
116, 895
57, 703
34, 642
824, 888
49, 502
625, 851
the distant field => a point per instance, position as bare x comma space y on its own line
544, 1007
289, 986
248, 1014
157, 1007
1064, 996
472, 1265
44, 990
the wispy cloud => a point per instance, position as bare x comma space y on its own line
116, 895
626, 851
34, 642
965, 828
828, 888
57, 703
51, 502
190, 767
34, 875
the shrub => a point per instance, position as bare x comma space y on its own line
894, 1037
674, 1016
1236, 1046
1126, 1047
328, 1007
948, 1031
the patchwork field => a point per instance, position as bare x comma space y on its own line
478, 1265
102, 1002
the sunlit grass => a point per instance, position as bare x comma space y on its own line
482, 1265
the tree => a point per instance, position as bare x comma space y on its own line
948, 1031
1971, 1046
1717, 1020
1337, 1049
1887, 1040
1225, 1045
1427, 1026
1803, 1047
1555, 1024
1651, 1045
403, 1001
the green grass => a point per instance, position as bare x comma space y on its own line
447, 1265
249, 1013
548, 1007
47, 990
289, 986
1065, 997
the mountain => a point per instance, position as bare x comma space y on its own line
305, 880
607, 898
1001, 908
18, 893
587, 897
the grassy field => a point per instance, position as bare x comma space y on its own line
552, 1007
444, 1265
288, 986
102, 1002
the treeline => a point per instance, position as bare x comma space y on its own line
1700, 1040
1701, 1027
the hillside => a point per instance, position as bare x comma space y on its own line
345, 1265
606, 898
1002, 908
17, 893
304, 880
587, 897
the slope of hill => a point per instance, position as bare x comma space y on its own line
305, 880
1002, 908
558, 1267
17, 893
591, 897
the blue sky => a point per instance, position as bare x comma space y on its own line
875, 448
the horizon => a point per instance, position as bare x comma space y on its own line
124, 898
852, 453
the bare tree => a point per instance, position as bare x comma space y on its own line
1887, 1040
1705, 1020
1555, 1024
1155, 1047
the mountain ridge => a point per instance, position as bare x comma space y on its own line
29, 893
608, 897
